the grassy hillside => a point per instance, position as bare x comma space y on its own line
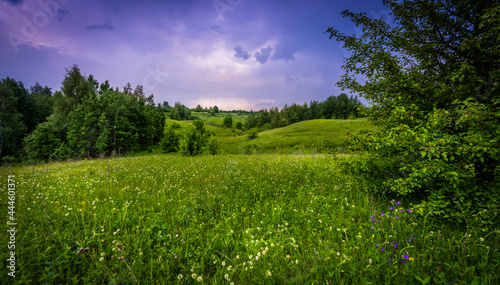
302, 137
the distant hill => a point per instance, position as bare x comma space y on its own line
302, 137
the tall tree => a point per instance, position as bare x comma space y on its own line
12, 128
433, 78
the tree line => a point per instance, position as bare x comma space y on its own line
334, 107
84, 119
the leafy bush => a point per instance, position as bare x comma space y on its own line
252, 133
239, 125
228, 121
193, 142
170, 142
213, 145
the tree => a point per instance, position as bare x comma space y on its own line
193, 142
216, 109
180, 112
228, 121
12, 127
433, 79
170, 142
213, 145
198, 108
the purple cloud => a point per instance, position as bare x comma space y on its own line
240, 53
106, 26
14, 2
61, 13
285, 51
263, 55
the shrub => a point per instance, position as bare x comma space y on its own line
228, 121
170, 142
239, 125
252, 133
194, 140
213, 145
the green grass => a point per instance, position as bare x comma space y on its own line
302, 137
252, 219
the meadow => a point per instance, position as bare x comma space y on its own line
303, 137
229, 219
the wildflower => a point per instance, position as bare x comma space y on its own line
370, 261
193, 275
237, 257
224, 263
481, 239
383, 249
338, 253
180, 276
269, 273
101, 259
296, 261
199, 279
226, 277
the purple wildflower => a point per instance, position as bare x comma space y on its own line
382, 214
406, 256
409, 210
383, 249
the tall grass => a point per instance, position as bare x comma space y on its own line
264, 219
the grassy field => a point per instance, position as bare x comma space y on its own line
228, 219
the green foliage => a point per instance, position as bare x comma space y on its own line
336, 107
12, 126
194, 140
213, 145
228, 121
239, 125
252, 133
170, 142
46, 142
436, 103
180, 112
85, 125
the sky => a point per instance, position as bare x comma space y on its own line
236, 54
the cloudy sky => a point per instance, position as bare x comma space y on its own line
236, 54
